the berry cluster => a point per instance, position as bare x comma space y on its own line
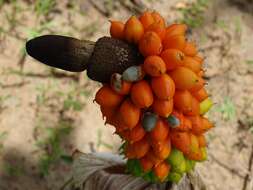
157, 106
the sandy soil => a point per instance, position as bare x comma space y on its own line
33, 100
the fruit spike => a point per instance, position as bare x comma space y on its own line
153, 91
101, 58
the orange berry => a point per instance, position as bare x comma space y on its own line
197, 156
154, 66
107, 112
162, 170
117, 29
184, 78
157, 28
160, 132
183, 100
146, 19
197, 124
192, 64
174, 42
176, 29
206, 124
150, 44
133, 30
130, 114
198, 59
158, 19
201, 73
200, 84
180, 140
187, 123
163, 108
141, 94
105, 96
124, 134
146, 164
172, 58
194, 108
184, 124
141, 148
119, 85
164, 151
163, 87
153, 158
202, 140
190, 49
137, 133
200, 95
130, 152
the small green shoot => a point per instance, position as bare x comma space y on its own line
222, 24
12, 170
3, 136
227, 109
193, 15
52, 146
250, 62
44, 7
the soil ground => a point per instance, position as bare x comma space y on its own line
46, 114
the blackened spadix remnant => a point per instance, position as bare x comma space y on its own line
62, 52
111, 56
101, 59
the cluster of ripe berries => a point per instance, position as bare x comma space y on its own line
157, 106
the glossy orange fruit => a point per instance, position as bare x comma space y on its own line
136, 134
129, 113
200, 84
194, 108
133, 30
172, 58
192, 64
119, 85
150, 44
176, 29
184, 78
154, 66
117, 29
174, 42
183, 100
190, 49
157, 28
200, 95
162, 170
181, 141
202, 140
105, 96
146, 164
141, 148
163, 87
159, 19
162, 108
141, 94
160, 132
146, 19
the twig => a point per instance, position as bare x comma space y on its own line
246, 178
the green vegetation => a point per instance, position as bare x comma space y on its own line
13, 170
193, 15
227, 109
43, 7
3, 136
52, 146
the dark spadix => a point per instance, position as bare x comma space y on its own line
101, 58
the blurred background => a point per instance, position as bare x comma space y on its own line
46, 114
